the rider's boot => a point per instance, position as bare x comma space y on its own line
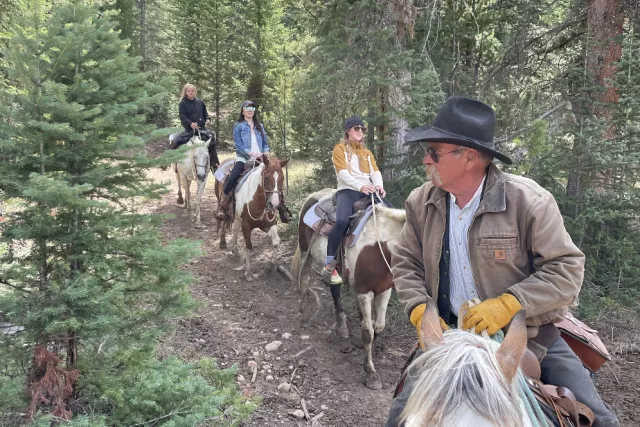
329, 274
223, 207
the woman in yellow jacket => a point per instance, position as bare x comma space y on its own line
358, 176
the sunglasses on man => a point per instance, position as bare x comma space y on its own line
250, 108
434, 154
360, 129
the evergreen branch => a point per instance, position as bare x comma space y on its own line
18, 288
170, 414
526, 128
508, 56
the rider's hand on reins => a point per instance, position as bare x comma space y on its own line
367, 189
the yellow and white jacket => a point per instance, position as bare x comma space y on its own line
355, 166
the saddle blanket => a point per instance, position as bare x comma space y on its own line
312, 219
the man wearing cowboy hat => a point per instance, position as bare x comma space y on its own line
476, 232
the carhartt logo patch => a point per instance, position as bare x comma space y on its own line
499, 254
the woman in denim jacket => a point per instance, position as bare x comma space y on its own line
250, 140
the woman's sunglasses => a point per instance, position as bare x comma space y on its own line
250, 108
360, 129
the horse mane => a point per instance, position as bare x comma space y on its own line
462, 370
397, 215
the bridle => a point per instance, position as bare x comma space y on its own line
270, 213
194, 165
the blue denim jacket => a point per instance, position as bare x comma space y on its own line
242, 139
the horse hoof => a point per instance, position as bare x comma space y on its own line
223, 245
180, 200
372, 381
198, 225
342, 331
235, 255
249, 277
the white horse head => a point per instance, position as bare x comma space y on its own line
200, 160
463, 379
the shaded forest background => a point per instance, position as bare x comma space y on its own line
563, 76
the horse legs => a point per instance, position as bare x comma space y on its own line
246, 233
180, 200
275, 241
235, 228
201, 185
302, 280
187, 196
380, 303
223, 237
364, 302
341, 318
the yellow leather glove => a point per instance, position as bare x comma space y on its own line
492, 314
416, 319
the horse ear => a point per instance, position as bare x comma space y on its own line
283, 163
513, 346
206, 144
430, 326
265, 160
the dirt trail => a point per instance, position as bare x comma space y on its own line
237, 319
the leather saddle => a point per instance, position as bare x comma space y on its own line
560, 405
326, 209
224, 170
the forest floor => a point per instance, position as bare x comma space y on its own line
237, 319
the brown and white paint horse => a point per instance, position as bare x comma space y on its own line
256, 206
366, 270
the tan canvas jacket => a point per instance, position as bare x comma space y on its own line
517, 244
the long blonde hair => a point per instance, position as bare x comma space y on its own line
184, 89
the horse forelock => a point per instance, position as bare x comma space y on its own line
462, 370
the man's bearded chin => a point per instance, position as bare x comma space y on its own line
433, 175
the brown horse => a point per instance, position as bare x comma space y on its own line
366, 270
256, 204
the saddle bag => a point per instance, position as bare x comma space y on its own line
584, 341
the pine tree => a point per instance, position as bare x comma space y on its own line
90, 281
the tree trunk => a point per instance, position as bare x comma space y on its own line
398, 99
142, 5
604, 27
217, 74
395, 98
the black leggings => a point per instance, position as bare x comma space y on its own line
344, 209
238, 167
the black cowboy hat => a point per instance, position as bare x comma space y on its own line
461, 121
